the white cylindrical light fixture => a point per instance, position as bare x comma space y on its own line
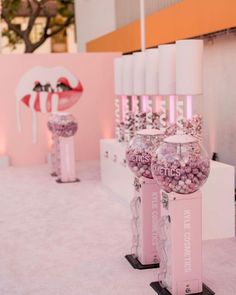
118, 63
118, 85
127, 76
139, 91
189, 68
139, 79
127, 81
167, 76
152, 86
127, 98
151, 71
167, 72
139, 73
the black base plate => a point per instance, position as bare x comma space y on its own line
163, 291
53, 174
137, 264
59, 181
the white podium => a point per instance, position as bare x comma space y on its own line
218, 192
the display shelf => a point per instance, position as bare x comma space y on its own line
218, 202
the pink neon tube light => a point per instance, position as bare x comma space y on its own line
172, 109
123, 107
145, 103
189, 107
134, 103
158, 104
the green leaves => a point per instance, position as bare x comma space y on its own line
11, 7
66, 8
13, 38
34, 9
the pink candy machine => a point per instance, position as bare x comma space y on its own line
145, 205
63, 128
180, 167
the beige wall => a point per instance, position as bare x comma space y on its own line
128, 11
94, 18
218, 103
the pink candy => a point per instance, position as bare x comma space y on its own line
180, 168
139, 162
183, 180
62, 125
139, 153
192, 127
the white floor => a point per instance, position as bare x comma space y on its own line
70, 239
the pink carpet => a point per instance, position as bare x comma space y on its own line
70, 239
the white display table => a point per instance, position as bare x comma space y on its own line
218, 192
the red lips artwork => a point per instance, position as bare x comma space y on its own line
47, 90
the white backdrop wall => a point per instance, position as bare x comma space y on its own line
128, 11
93, 19
218, 103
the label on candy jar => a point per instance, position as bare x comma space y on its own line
143, 158
171, 172
140, 163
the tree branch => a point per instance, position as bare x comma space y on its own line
35, 13
35, 9
30, 6
11, 26
47, 26
44, 35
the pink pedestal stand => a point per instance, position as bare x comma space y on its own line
146, 210
55, 156
145, 205
63, 127
67, 160
181, 245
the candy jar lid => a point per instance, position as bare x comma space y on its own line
180, 138
150, 132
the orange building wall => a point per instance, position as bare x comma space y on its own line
186, 19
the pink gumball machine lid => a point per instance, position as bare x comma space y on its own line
180, 139
150, 132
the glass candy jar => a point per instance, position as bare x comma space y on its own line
140, 149
180, 164
62, 124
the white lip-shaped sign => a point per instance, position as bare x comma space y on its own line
47, 90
